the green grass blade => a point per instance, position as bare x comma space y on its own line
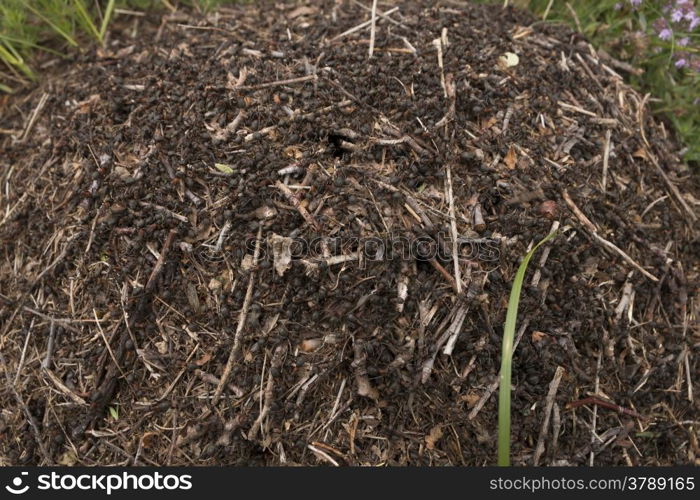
106, 19
6, 89
12, 58
54, 26
507, 358
86, 19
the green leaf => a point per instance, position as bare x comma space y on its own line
224, 168
114, 412
507, 357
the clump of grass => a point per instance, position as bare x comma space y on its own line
507, 357
59, 25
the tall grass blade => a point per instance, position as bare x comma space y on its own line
106, 18
507, 357
12, 58
86, 19
54, 26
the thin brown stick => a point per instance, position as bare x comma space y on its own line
605, 243
291, 197
553, 387
161, 259
236, 347
604, 404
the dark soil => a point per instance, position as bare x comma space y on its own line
140, 326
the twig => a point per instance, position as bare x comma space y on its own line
604, 404
30, 418
291, 197
606, 157
373, 28
109, 348
672, 187
361, 25
267, 395
277, 83
159, 263
455, 329
438, 46
24, 351
543, 258
236, 347
46, 363
33, 117
444, 273
553, 387
611, 246
453, 229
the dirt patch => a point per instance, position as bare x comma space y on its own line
241, 240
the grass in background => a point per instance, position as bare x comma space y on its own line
59, 25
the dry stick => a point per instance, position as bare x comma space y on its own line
291, 197
455, 329
46, 363
604, 404
672, 187
606, 157
235, 349
453, 228
277, 358
595, 409
605, 243
438, 267
373, 28
543, 258
33, 117
361, 26
29, 416
159, 263
492, 388
277, 83
553, 387
109, 348
24, 351
438, 45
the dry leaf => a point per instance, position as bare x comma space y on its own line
511, 159
149, 439
281, 252
538, 336
310, 345
434, 436
68, 459
203, 360
641, 153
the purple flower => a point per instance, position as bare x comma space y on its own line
676, 16
694, 22
683, 42
680, 63
636, 3
665, 34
